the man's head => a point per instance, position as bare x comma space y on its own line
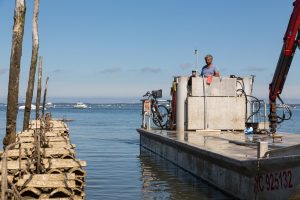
194, 73
208, 59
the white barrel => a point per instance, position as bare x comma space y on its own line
181, 95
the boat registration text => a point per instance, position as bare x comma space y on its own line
273, 181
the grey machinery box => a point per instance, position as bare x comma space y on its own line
216, 105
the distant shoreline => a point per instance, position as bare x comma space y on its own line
117, 100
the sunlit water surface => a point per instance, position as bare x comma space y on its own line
105, 136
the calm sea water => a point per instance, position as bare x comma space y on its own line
106, 138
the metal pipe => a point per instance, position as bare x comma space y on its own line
253, 108
149, 117
265, 114
204, 103
144, 116
197, 60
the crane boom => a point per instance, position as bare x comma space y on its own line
291, 41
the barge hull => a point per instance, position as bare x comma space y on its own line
243, 179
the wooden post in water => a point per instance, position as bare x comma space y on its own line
34, 56
39, 89
45, 95
14, 73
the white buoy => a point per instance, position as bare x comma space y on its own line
181, 95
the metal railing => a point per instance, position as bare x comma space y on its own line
258, 113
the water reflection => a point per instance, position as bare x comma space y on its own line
161, 179
201, 140
180, 136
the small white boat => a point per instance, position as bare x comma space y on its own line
50, 105
33, 107
80, 105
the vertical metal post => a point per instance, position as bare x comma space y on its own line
149, 117
204, 103
143, 115
265, 114
144, 120
253, 108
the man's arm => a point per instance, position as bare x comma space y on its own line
217, 73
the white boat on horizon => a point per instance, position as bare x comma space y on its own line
50, 105
80, 105
33, 107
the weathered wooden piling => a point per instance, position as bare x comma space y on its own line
39, 89
34, 56
45, 97
14, 73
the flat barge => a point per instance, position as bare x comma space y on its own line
246, 166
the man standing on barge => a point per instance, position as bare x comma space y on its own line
209, 69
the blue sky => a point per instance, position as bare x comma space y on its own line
116, 49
